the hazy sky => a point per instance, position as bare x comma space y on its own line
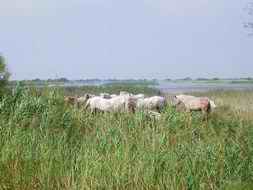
125, 39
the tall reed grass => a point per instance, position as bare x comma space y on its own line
45, 144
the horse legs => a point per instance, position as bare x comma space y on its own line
205, 114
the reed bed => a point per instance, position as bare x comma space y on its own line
46, 144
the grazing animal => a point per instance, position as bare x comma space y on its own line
70, 100
213, 105
138, 96
151, 103
193, 103
113, 95
198, 104
123, 93
105, 95
183, 97
83, 99
116, 104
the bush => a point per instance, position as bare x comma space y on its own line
4, 76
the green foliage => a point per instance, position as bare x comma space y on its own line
4, 76
110, 88
46, 144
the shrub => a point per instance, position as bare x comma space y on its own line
4, 76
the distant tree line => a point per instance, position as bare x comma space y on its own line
207, 79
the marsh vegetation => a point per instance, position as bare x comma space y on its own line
46, 144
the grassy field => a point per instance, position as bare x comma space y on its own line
109, 88
45, 144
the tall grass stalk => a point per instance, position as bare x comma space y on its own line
46, 144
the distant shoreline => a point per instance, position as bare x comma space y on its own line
165, 86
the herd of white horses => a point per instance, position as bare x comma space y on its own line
127, 102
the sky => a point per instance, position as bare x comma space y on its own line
81, 39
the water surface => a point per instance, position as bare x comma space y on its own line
181, 87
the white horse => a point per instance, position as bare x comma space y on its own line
83, 99
213, 105
151, 103
123, 93
138, 96
105, 95
116, 104
113, 95
192, 103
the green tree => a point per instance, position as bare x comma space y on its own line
4, 75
